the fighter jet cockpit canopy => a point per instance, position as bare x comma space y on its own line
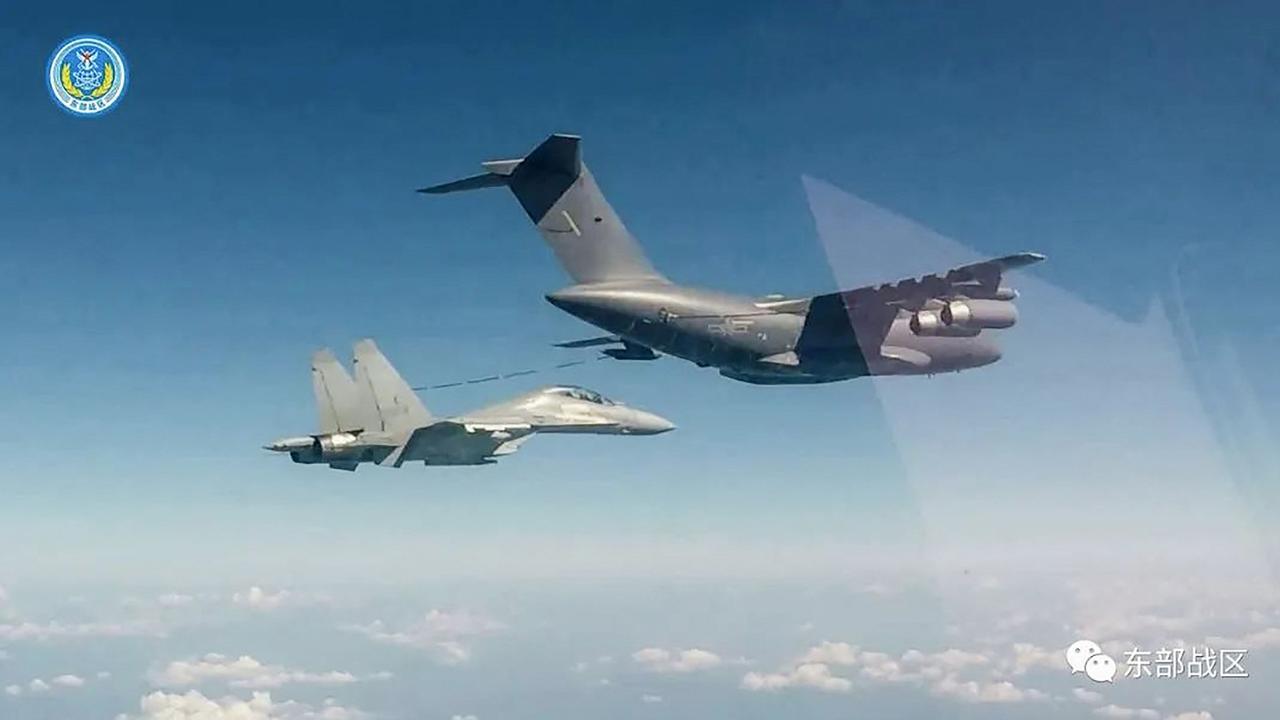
579, 393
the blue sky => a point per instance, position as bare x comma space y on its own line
170, 267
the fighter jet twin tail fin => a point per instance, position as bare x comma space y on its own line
377, 400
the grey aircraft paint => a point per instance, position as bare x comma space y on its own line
931, 324
376, 417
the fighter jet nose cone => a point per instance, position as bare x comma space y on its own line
654, 425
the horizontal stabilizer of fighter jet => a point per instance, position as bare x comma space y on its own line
510, 446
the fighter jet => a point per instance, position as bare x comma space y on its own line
915, 326
377, 418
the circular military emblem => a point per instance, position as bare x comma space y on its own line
87, 75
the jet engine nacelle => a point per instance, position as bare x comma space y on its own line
979, 314
323, 448
928, 323
336, 443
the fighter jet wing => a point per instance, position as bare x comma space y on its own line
862, 316
453, 442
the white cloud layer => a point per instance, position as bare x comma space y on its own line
813, 675
255, 598
976, 691
1116, 712
244, 672
1086, 696
55, 630
40, 686
72, 681
440, 632
660, 660
195, 706
940, 672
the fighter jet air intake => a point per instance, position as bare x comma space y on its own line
916, 326
376, 417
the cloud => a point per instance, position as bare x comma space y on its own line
1027, 656
659, 660
1115, 712
464, 717
1198, 715
438, 631
195, 706
938, 671
68, 681
879, 667
57, 630
175, 600
813, 675
833, 653
1086, 696
984, 692
255, 598
1257, 640
650, 699
878, 589
938, 665
244, 672
39, 686
583, 666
